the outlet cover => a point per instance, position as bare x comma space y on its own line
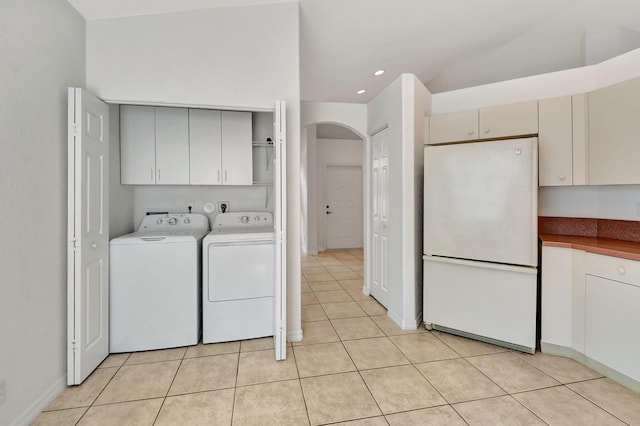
226, 203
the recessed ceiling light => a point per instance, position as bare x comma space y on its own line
379, 72
361, 91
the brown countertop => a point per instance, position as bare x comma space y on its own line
606, 246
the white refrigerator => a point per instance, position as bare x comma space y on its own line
481, 240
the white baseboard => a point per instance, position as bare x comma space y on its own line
43, 401
294, 336
405, 324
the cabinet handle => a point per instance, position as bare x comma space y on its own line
621, 270
158, 175
562, 177
487, 130
225, 175
150, 175
470, 132
218, 175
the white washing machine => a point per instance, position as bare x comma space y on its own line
155, 283
238, 277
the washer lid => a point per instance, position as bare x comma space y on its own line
160, 237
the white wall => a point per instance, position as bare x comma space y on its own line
121, 202
43, 52
229, 58
332, 152
609, 202
402, 107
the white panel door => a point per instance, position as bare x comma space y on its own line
380, 200
88, 235
205, 147
343, 206
137, 145
237, 156
172, 146
481, 201
280, 219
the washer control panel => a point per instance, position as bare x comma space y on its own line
177, 221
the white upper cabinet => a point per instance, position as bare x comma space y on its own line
509, 120
154, 145
172, 146
555, 142
614, 134
486, 123
205, 147
137, 145
180, 146
453, 127
237, 155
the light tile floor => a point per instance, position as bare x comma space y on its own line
355, 366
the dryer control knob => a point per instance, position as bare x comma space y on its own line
257, 218
187, 220
173, 221
244, 219
159, 222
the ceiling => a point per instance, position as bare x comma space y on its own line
448, 44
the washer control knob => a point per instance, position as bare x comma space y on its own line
244, 219
159, 222
187, 220
173, 221
257, 218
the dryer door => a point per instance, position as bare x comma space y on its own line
240, 270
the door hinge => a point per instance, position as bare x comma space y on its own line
74, 345
74, 244
73, 129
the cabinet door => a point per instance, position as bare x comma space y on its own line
556, 281
555, 149
205, 147
509, 120
454, 127
236, 148
614, 134
172, 146
612, 324
137, 145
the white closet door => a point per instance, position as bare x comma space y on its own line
205, 147
172, 146
88, 235
280, 218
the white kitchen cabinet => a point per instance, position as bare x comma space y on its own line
154, 145
205, 147
613, 313
555, 142
509, 120
172, 146
453, 127
614, 134
556, 295
137, 145
486, 123
237, 166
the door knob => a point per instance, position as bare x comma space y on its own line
94, 245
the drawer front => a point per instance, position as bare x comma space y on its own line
613, 268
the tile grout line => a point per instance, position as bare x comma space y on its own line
170, 385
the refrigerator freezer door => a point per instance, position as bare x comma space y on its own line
486, 301
480, 201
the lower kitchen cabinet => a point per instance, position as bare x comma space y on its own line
612, 313
591, 310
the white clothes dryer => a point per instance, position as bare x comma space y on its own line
155, 284
238, 277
